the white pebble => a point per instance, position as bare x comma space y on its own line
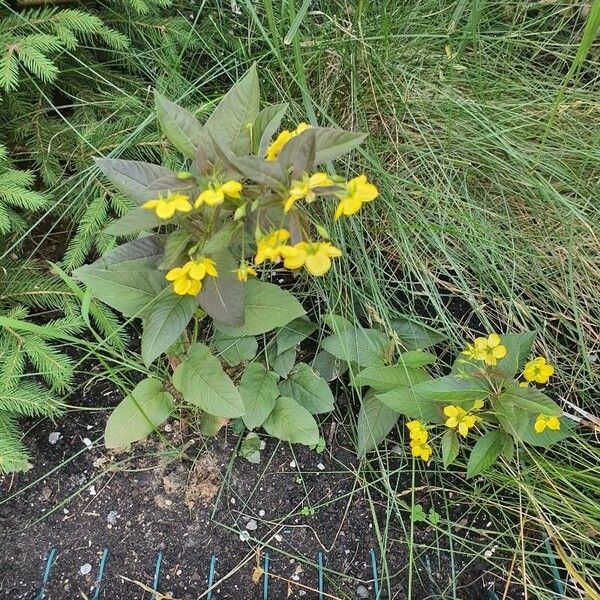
321, 467
87, 442
93, 490
252, 525
54, 437
85, 569
244, 536
293, 464
261, 513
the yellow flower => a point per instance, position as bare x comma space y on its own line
166, 207
188, 278
283, 138
244, 270
459, 418
478, 405
538, 370
215, 194
314, 256
269, 246
471, 351
305, 189
543, 421
490, 349
421, 450
358, 191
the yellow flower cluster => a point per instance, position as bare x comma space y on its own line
216, 192
543, 421
283, 138
188, 278
459, 418
357, 191
488, 349
243, 271
419, 447
166, 208
538, 370
315, 257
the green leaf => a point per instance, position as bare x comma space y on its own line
293, 333
222, 297
375, 421
141, 181
283, 363
530, 399
267, 307
298, 155
518, 347
258, 389
416, 359
267, 122
235, 350
486, 451
221, 240
452, 389
384, 379
138, 414
230, 123
134, 221
210, 425
404, 401
129, 292
366, 347
332, 143
415, 336
167, 318
292, 423
179, 125
308, 389
328, 366
143, 253
175, 249
202, 381
336, 323
450, 447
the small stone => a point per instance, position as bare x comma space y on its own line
244, 536
87, 442
321, 467
232, 501
85, 569
263, 444
111, 517
362, 592
261, 513
93, 490
251, 525
168, 427
293, 464
277, 537
54, 437
46, 493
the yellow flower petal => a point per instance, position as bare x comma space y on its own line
451, 411
318, 264
540, 424
463, 429
232, 188
165, 210
451, 422
182, 285
150, 204
197, 271
499, 351
174, 274
195, 287
553, 423
493, 340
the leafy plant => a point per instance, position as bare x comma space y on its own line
203, 235
482, 394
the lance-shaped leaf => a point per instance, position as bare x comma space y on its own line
415, 336
333, 143
382, 378
375, 421
202, 381
234, 350
266, 124
134, 221
365, 347
258, 388
179, 125
141, 181
298, 155
138, 414
231, 122
167, 318
292, 423
222, 297
452, 389
486, 451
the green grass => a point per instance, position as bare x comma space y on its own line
485, 143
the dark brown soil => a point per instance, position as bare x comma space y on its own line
302, 503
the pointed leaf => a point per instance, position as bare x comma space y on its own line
167, 318
292, 423
229, 122
383, 379
450, 447
375, 421
415, 336
258, 389
486, 451
138, 414
452, 389
235, 350
134, 221
179, 125
332, 143
298, 155
202, 381
308, 389
366, 347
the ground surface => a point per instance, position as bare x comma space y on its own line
138, 504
